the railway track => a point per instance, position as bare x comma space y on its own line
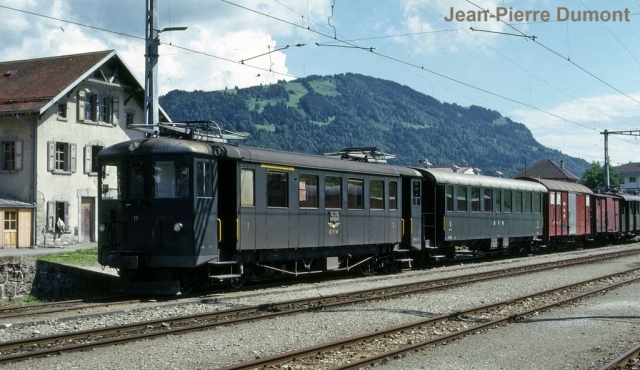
381, 346
627, 360
54, 344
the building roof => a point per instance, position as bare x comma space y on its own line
630, 168
7, 201
547, 169
31, 86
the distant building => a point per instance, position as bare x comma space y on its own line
629, 176
458, 169
56, 114
548, 169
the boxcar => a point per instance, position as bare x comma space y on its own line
629, 216
194, 212
606, 216
479, 213
567, 207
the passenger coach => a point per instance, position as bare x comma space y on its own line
195, 212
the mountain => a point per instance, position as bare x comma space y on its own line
321, 114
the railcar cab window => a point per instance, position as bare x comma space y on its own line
110, 182
277, 189
461, 205
449, 198
376, 194
488, 200
136, 180
247, 198
332, 192
355, 193
475, 199
204, 180
308, 191
508, 205
170, 179
393, 195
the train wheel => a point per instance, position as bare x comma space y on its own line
238, 282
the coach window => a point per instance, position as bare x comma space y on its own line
332, 192
508, 206
488, 200
355, 193
498, 201
277, 186
517, 202
527, 202
247, 188
449, 198
308, 191
204, 180
537, 203
376, 194
393, 195
475, 199
461, 205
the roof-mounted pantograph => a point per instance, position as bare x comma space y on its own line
365, 154
208, 131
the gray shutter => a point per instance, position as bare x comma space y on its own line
81, 95
115, 108
66, 216
94, 108
72, 157
51, 155
18, 148
88, 158
51, 216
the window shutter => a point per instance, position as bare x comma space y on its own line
18, 149
81, 95
72, 157
115, 109
51, 216
94, 108
87, 159
66, 216
51, 155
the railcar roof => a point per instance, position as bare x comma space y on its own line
442, 177
555, 185
630, 197
163, 145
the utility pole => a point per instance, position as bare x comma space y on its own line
152, 41
606, 134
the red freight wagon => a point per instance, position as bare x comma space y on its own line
567, 210
606, 215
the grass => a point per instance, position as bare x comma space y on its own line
80, 257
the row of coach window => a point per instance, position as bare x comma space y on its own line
308, 191
474, 199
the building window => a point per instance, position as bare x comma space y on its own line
376, 194
355, 193
246, 188
58, 217
129, 119
9, 155
62, 111
91, 158
277, 189
393, 195
97, 107
62, 157
333, 192
308, 191
632, 179
10, 220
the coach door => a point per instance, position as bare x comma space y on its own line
412, 213
572, 214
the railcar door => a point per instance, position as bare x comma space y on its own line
333, 203
412, 213
247, 214
572, 213
309, 215
227, 220
206, 209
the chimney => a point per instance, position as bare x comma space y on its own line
562, 164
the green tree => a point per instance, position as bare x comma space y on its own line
593, 177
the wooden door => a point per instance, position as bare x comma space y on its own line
87, 220
10, 230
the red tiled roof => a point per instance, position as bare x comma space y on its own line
34, 82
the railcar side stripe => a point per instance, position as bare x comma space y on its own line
275, 167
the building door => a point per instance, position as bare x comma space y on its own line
10, 233
87, 220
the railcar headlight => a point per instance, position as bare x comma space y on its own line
102, 227
177, 227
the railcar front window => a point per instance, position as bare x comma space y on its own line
110, 181
333, 192
355, 193
308, 191
376, 194
277, 189
171, 179
136, 180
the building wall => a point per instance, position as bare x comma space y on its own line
66, 189
630, 181
18, 183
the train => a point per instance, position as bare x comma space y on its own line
176, 213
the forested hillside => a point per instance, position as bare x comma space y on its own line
323, 114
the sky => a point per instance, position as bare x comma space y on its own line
567, 69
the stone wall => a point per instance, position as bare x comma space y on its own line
23, 276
